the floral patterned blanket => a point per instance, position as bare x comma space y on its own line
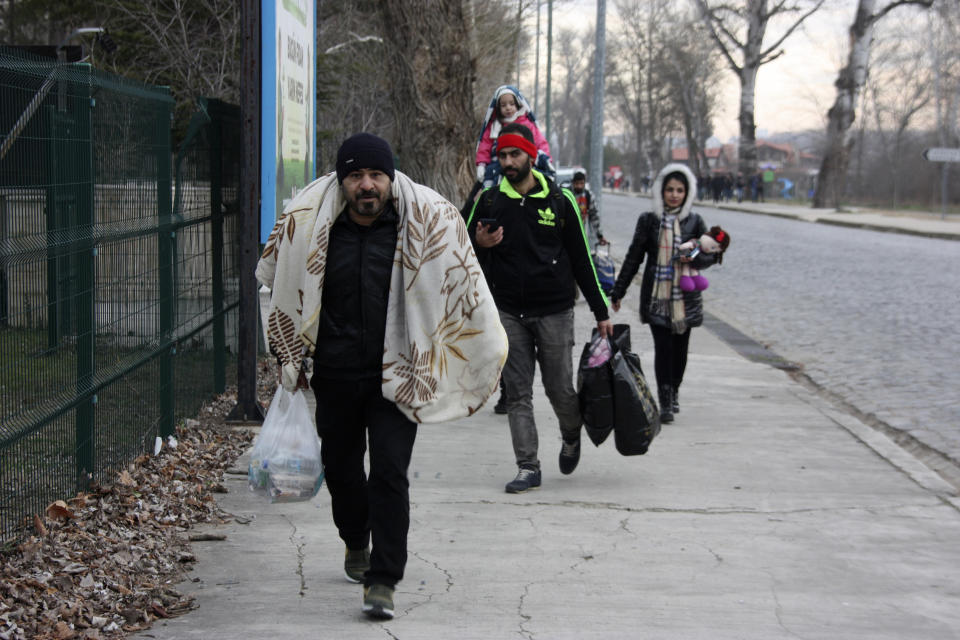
444, 346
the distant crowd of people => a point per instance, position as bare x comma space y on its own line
724, 187
720, 187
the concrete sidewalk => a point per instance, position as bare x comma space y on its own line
761, 512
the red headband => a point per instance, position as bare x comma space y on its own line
518, 141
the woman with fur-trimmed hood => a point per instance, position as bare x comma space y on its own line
670, 311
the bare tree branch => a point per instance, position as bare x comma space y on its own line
765, 56
356, 39
724, 22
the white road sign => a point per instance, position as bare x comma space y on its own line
941, 154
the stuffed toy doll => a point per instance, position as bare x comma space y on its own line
716, 240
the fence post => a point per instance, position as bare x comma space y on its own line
165, 269
215, 138
82, 178
4, 308
52, 210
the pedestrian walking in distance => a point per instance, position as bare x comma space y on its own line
670, 311
531, 244
587, 206
360, 284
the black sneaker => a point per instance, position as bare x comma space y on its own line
378, 601
501, 406
569, 456
356, 563
526, 479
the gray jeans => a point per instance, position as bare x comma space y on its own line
549, 341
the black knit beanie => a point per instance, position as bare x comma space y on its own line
364, 151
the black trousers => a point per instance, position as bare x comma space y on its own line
348, 413
669, 355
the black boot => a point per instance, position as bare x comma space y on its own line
675, 400
501, 407
666, 404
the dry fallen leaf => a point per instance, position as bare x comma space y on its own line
125, 478
101, 564
38, 526
62, 631
59, 510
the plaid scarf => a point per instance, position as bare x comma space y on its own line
667, 300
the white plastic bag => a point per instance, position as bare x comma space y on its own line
285, 461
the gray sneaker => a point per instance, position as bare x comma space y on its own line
378, 601
526, 479
355, 564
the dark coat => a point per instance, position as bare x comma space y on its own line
644, 244
543, 257
356, 288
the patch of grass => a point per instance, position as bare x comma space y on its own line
40, 467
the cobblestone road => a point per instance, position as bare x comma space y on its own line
870, 316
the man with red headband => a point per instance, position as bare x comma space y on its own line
532, 247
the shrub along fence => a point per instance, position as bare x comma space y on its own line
119, 274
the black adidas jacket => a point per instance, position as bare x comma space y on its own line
544, 255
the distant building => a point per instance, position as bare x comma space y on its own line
770, 155
795, 171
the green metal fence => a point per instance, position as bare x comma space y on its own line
118, 274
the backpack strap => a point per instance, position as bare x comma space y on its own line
557, 202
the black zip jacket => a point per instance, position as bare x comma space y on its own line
644, 243
544, 255
356, 287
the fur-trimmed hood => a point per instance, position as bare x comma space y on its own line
691, 188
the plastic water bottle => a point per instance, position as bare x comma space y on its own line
294, 479
258, 475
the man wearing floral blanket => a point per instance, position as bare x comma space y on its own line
382, 297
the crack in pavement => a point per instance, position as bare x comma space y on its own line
778, 608
299, 546
718, 511
448, 579
524, 618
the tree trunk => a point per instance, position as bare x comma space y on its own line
430, 78
836, 157
747, 150
757, 17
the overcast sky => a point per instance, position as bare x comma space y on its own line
793, 92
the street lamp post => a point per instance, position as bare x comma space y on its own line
596, 116
549, 60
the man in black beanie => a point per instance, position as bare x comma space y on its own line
365, 155
346, 381
369, 272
